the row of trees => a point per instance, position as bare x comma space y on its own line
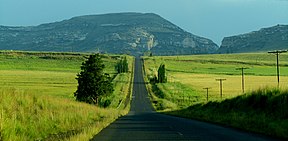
122, 66
161, 77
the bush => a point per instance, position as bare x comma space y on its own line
157, 91
105, 102
153, 80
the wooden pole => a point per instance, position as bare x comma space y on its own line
221, 87
242, 70
207, 93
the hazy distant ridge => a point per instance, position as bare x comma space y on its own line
132, 33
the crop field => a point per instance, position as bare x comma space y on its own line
188, 75
183, 95
37, 102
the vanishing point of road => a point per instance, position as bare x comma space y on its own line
142, 123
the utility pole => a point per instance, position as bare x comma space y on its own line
220, 80
242, 70
277, 52
207, 89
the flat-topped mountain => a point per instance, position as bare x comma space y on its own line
132, 33
266, 39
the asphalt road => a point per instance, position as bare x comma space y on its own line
143, 124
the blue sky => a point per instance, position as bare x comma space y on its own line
213, 19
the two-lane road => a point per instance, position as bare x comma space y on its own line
143, 123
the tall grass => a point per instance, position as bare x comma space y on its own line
176, 95
263, 111
36, 97
29, 116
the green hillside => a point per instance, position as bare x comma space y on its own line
266, 39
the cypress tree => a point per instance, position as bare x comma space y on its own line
125, 65
161, 74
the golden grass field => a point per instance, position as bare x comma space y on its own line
201, 71
261, 109
232, 86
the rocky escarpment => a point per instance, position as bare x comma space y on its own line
132, 33
266, 39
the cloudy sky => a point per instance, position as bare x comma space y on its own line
213, 19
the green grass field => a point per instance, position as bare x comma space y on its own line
36, 97
260, 109
196, 72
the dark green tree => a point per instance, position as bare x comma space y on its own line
119, 66
122, 66
161, 74
93, 83
125, 65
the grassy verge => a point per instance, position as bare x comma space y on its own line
171, 96
36, 97
30, 116
262, 111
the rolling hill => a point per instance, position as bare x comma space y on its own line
132, 33
266, 39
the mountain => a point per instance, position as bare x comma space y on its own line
132, 33
266, 39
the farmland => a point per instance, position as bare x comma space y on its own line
193, 73
36, 97
261, 108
